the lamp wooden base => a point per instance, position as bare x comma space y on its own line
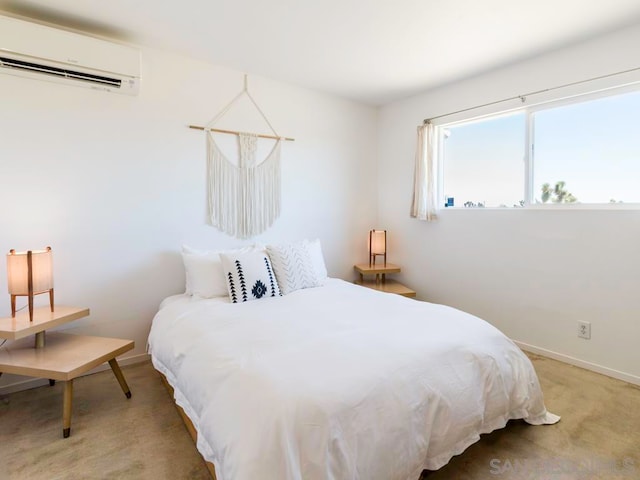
30, 302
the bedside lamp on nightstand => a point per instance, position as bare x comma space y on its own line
29, 273
63, 356
377, 245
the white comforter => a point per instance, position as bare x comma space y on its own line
339, 382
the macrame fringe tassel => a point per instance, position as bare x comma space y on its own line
244, 200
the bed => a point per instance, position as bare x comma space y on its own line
338, 382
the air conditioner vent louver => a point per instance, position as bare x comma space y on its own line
40, 52
59, 72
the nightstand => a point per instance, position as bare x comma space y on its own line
380, 281
57, 356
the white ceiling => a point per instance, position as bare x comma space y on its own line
372, 51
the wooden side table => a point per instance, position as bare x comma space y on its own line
58, 356
380, 281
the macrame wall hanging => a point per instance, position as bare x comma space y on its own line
243, 199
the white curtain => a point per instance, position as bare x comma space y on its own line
423, 206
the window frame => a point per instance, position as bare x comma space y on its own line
529, 149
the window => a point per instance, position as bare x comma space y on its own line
581, 151
484, 162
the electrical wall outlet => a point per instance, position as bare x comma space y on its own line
584, 330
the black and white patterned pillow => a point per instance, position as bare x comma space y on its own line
249, 276
293, 266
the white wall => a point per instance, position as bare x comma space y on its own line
533, 274
116, 184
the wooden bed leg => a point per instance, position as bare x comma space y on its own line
118, 373
66, 409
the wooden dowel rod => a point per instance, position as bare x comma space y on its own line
234, 132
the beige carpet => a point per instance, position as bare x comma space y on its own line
111, 437
144, 438
597, 438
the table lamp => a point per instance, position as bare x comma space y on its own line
29, 273
377, 245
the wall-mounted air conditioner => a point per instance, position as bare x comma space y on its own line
40, 52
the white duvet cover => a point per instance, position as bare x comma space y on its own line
339, 382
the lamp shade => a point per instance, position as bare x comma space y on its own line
377, 245
378, 242
18, 271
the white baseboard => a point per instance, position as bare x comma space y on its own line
610, 372
39, 382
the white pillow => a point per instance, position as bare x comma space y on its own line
294, 266
203, 271
204, 275
249, 276
315, 250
